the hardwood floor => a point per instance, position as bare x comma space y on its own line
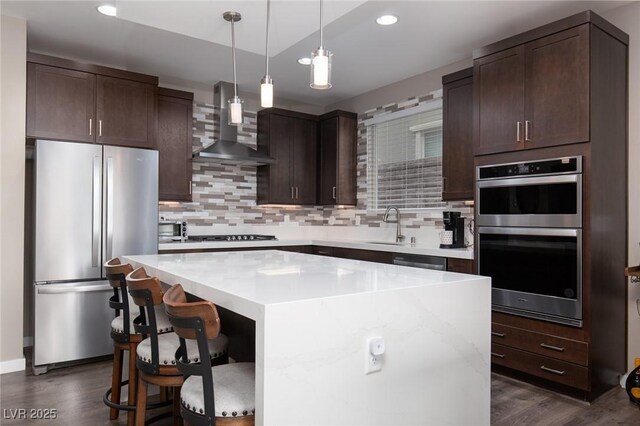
76, 393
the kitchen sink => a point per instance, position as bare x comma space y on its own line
386, 243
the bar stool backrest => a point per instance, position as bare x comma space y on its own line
146, 292
116, 273
196, 321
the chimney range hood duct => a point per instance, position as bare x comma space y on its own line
226, 146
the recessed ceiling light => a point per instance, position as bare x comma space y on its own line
304, 61
107, 9
387, 20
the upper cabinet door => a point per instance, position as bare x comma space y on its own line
499, 101
279, 181
304, 145
175, 118
457, 140
60, 104
327, 190
557, 89
126, 112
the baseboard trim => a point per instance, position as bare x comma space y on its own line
12, 365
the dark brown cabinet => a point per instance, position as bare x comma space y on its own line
562, 89
463, 266
60, 103
291, 139
75, 101
457, 136
175, 127
338, 139
126, 113
534, 95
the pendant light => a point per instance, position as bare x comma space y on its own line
266, 84
235, 103
321, 63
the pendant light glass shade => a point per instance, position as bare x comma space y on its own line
321, 69
266, 84
266, 92
235, 111
235, 103
321, 63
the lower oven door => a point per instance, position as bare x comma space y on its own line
535, 272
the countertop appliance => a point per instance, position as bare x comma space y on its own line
172, 231
233, 237
92, 202
455, 224
530, 237
420, 261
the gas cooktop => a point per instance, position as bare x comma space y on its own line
233, 237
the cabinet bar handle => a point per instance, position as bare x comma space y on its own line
551, 370
495, 333
553, 348
527, 126
496, 354
190, 187
296, 192
444, 183
334, 192
100, 128
90, 127
292, 197
518, 130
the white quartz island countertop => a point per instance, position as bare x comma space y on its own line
314, 316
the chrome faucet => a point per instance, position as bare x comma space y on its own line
399, 237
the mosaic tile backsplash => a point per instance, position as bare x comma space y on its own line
225, 194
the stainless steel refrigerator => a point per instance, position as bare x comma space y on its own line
92, 203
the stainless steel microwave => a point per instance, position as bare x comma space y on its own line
545, 193
172, 231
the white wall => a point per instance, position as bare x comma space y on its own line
417, 85
627, 18
13, 85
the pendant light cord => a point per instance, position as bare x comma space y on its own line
233, 55
321, 30
267, 44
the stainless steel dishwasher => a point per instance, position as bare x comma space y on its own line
420, 261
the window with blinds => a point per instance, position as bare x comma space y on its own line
405, 161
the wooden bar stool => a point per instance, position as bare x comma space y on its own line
233, 401
124, 339
155, 358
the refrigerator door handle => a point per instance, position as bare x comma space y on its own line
109, 208
95, 214
53, 289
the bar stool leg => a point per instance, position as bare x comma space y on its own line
177, 419
116, 378
133, 381
141, 402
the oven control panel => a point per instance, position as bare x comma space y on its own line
543, 167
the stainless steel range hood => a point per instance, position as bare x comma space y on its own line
226, 146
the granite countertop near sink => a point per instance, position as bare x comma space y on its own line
386, 246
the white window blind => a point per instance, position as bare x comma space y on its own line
405, 162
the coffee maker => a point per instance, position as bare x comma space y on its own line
453, 222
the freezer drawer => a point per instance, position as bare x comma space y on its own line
72, 321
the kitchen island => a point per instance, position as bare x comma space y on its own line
314, 317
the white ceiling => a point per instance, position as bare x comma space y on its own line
189, 40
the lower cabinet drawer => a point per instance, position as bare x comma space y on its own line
539, 343
541, 366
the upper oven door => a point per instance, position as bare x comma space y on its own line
545, 201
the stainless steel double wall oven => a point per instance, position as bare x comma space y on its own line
529, 218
